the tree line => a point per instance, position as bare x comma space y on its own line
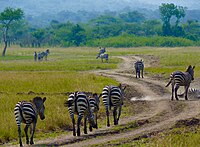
102, 29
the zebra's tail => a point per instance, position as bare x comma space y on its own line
168, 83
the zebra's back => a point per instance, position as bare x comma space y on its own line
111, 96
181, 78
25, 112
78, 103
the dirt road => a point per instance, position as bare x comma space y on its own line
152, 109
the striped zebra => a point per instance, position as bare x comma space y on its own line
94, 107
43, 54
27, 112
192, 92
113, 96
179, 78
78, 103
102, 54
139, 68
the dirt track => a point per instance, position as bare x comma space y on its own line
152, 109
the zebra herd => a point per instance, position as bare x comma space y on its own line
40, 55
78, 103
87, 106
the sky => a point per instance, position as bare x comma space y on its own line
48, 6
191, 4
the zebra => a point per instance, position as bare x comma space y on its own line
94, 106
43, 54
102, 54
139, 68
192, 92
35, 56
27, 112
113, 96
78, 103
179, 78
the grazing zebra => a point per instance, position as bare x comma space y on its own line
94, 106
78, 103
113, 97
27, 112
139, 68
192, 92
179, 78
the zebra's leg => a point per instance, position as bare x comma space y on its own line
108, 122
78, 125
85, 125
96, 119
186, 92
115, 116
172, 98
73, 122
176, 89
26, 132
136, 73
33, 131
142, 73
119, 113
19, 135
139, 73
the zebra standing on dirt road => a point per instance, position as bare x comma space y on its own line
113, 97
27, 112
94, 107
179, 78
78, 103
139, 68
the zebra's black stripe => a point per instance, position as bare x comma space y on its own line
179, 78
27, 112
112, 96
139, 68
78, 103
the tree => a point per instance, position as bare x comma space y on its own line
133, 16
167, 11
77, 35
39, 35
7, 17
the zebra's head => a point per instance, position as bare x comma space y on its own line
39, 103
190, 70
92, 121
122, 88
95, 95
47, 51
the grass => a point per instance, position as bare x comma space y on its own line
66, 71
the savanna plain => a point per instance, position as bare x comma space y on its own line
149, 117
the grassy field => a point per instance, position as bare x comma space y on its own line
66, 71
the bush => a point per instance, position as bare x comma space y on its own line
133, 41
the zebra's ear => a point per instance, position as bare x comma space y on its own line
193, 67
44, 99
124, 88
100, 95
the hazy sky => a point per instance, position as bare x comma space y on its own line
188, 3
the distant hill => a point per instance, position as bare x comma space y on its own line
41, 12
